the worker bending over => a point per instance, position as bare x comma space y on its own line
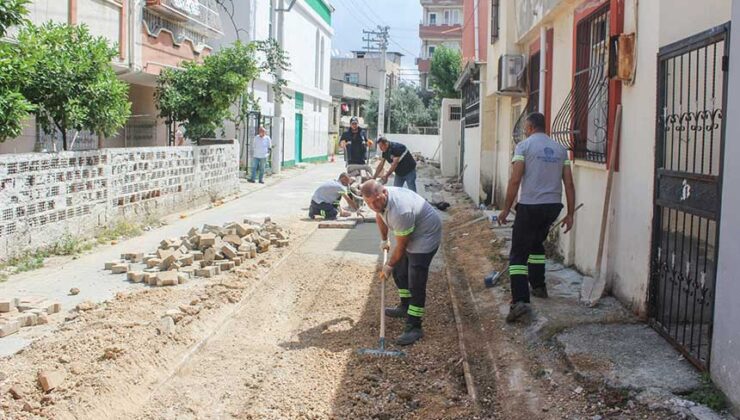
418, 231
540, 167
326, 199
402, 163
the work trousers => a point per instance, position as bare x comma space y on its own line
411, 275
409, 179
527, 257
326, 210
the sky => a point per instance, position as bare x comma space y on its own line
403, 17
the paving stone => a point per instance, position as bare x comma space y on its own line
154, 262
193, 232
282, 243
186, 259
27, 319
237, 261
209, 254
164, 253
233, 240
182, 278
135, 276
50, 307
228, 251
9, 327
166, 325
188, 271
226, 266
50, 379
109, 265
206, 272
120, 268
197, 255
42, 319
6, 305
167, 278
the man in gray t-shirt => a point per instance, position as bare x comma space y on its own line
540, 168
418, 231
326, 199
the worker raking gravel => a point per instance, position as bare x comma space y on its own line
417, 229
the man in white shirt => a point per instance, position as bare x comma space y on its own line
261, 148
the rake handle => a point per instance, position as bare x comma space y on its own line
382, 304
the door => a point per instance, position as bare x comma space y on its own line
688, 183
298, 138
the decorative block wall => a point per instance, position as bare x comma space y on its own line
43, 196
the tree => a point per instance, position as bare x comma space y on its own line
14, 108
70, 80
201, 95
406, 110
445, 70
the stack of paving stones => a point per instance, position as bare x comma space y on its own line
25, 312
204, 253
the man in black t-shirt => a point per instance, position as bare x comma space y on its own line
402, 163
354, 143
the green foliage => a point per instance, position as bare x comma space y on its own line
708, 394
14, 108
407, 109
122, 229
201, 95
69, 79
445, 70
12, 13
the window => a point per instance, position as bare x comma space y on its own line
494, 21
447, 17
471, 100
582, 122
431, 50
533, 81
455, 113
353, 78
432, 19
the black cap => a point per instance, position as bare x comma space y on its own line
354, 120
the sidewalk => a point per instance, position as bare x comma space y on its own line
282, 197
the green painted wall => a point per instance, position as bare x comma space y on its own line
322, 9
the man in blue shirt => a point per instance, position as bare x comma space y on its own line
402, 163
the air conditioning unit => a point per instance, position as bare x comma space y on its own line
512, 75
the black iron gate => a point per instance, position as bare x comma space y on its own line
688, 183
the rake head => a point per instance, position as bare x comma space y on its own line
381, 351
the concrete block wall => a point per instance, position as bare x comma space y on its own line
45, 196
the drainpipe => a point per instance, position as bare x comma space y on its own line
543, 68
278, 125
476, 40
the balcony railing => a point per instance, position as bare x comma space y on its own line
201, 16
180, 33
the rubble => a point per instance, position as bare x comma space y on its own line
74, 291
51, 379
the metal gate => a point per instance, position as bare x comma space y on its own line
688, 182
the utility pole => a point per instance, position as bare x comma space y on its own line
378, 42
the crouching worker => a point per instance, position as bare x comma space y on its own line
418, 232
326, 199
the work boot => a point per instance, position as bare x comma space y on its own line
411, 334
397, 312
518, 310
540, 292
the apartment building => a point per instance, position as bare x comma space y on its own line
441, 24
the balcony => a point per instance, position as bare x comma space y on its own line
440, 31
199, 16
423, 64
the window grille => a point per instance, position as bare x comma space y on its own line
581, 124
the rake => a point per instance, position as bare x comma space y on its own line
381, 350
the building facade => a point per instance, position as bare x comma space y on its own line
364, 69
151, 35
307, 102
441, 24
578, 62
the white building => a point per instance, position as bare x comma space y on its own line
307, 101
